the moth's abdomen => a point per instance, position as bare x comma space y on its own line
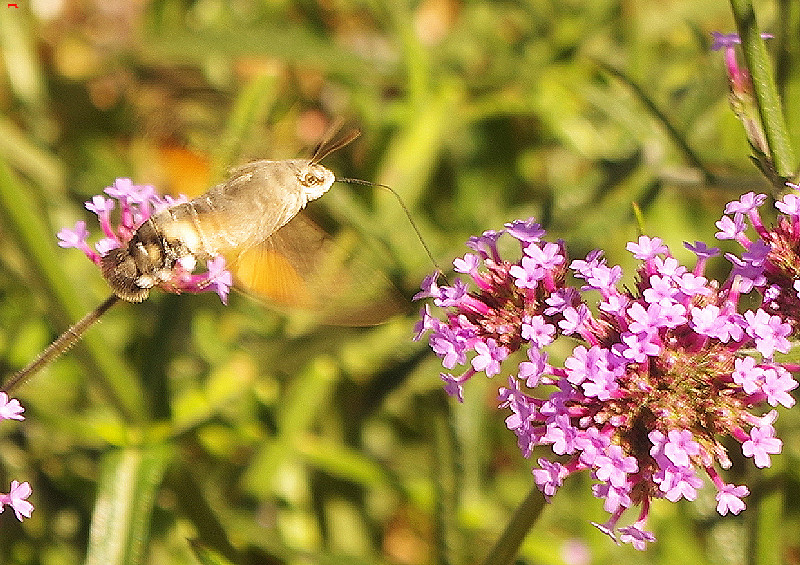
128, 269
123, 276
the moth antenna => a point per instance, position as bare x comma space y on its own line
320, 150
329, 145
61, 344
408, 216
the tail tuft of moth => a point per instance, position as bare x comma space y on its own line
120, 271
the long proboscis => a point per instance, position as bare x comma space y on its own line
61, 344
405, 210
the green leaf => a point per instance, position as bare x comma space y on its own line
764, 87
207, 556
127, 488
344, 462
250, 108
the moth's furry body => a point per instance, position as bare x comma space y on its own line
255, 202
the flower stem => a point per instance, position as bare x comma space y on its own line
765, 89
62, 343
507, 547
766, 537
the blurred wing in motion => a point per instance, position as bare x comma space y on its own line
301, 267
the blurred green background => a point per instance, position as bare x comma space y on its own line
182, 429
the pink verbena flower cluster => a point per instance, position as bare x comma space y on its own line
10, 409
659, 379
137, 203
771, 262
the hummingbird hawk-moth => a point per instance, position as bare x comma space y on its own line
254, 221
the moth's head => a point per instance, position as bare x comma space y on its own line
314, 179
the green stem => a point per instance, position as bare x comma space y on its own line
767, 533
765, 89
507, 547
446, 480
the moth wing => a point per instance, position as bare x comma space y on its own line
300, 266
221, 229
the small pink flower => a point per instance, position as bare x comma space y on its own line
16, 499
10, 409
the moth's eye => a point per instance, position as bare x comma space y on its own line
311, 179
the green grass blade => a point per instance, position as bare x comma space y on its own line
678, 137
18, 42
251, 107
126, 491
207, 556
408, 166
